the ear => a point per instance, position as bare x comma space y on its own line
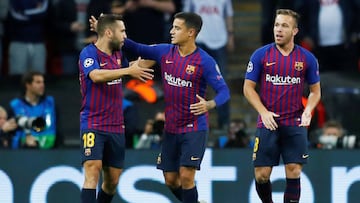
295, 31
192, 32
108, 32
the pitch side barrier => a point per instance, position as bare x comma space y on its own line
226, 176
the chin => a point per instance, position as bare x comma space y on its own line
279, 43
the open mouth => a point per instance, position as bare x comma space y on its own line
278, 37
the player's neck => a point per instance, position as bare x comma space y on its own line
103, 46
187, 49
286, 49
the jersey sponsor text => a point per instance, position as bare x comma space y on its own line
178, 82
282, 80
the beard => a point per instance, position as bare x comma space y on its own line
115, 45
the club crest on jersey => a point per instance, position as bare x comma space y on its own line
190, 69
299, 66
87, 152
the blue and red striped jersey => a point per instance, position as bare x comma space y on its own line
183, 77
282, 80
101, 103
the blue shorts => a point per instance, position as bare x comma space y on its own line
289, 142
184, 149
108, 147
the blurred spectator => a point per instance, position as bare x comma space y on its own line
131, 119
327, 27
6, 127
147, 16
66, 29
235, 136
333, 135
268, 8
145, 22
216, 38
153, 130
217, 33
4, 6
95, 8
35, 114
27, 27
118, 7
241, 140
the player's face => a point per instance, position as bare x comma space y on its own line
37, 87
284, 30
179, 32
118, 37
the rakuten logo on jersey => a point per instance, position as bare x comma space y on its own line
177, 82
282, 80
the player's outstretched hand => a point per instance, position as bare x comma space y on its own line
141, 73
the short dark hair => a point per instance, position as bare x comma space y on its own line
192, 20
289, 12
106, 21
28, 77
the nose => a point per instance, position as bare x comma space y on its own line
278, 28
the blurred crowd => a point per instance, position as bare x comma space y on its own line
44, 37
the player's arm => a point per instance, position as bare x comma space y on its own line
222, 96
314, 97
152, 52
134, 70
253, 98
313, 100
214, 78
216, 81
313, 79
202, 106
